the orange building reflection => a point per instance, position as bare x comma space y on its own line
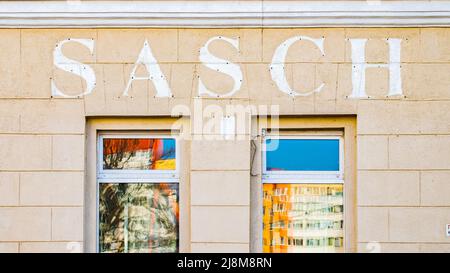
303, 218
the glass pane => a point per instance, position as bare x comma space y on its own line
138, 217
138, 154
302, 155
303, 218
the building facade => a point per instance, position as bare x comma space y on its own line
225, 126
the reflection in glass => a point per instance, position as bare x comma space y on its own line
303, 218
138, 154
302, 155
138, 217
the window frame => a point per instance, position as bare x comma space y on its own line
305, 177
136, 175
133, 176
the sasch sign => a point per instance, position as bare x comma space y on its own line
277, 68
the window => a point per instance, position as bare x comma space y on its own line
138, 192
303, 193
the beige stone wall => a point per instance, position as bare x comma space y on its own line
403, 155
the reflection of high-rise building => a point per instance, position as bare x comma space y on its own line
303, 218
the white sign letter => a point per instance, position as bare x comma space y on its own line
359, 67
72, 66
155, 74
277, 68
231, 69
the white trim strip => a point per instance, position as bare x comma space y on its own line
222, 14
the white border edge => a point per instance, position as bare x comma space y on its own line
223, 14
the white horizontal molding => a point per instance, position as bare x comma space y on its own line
222, 14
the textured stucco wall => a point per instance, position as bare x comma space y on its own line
403, 155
